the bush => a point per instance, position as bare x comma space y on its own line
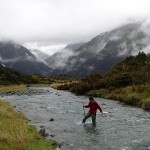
81, 88
64, 87
132, 99
145, 104
122, 80
98, 93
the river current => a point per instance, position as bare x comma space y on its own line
121, 127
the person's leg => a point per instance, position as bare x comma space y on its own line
86, 117
93, 119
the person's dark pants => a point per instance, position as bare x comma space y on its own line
88, 115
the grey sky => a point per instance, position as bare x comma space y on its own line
48, 24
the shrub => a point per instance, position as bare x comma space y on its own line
145, 104
64, 87
98, 93
121, 80
132, 99
81, 88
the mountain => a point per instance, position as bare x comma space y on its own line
17, 57
59, 59
39, 54
8, 76
105, 50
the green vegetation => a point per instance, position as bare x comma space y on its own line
128, 82
12, 77
13, 88
61, 82
138, 95
16, 134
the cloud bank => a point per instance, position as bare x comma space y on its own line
58, 22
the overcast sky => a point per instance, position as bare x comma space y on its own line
51, 24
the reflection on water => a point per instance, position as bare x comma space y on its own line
119, 128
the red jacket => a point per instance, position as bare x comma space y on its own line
93, 107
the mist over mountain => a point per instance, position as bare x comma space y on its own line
39, 54
104, 51
96, 56
17, 57
59, 59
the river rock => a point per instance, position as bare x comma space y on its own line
43, 133
52, 119
28, 92
52, 135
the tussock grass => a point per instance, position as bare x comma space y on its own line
16, 134
98, 93
56, 85
62, 85
13, 88
145, 104
138, 95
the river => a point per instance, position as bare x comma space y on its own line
121, 127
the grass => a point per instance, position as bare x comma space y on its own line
16, 134
13, 88
57, 85
138, 95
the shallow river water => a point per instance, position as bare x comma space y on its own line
119, 128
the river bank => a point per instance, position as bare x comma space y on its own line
138, 96
15, 131
135, 95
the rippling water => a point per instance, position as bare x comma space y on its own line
122, 128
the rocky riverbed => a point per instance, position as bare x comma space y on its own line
30, 91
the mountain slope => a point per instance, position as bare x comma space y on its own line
8, 76
39, 54
104, 51
19, 58
59, 59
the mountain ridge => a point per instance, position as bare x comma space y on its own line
104, 51
17, 57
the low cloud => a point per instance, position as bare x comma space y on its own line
61, 58
60, 22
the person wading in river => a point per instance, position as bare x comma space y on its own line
93, 105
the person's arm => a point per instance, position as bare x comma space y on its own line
87, 106
98, 107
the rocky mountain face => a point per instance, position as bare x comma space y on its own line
17, 57
104, 51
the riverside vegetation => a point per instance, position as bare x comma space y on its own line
127, 82
16, 134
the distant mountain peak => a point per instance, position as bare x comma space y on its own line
102, 52
17, 57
